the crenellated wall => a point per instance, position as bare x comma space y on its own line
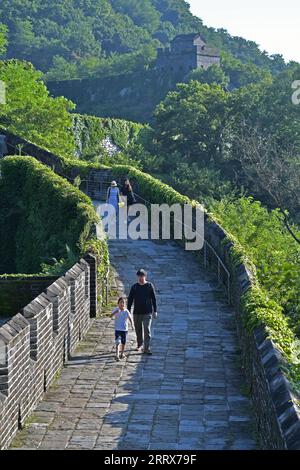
275, 403
131, 96
35, 344
18, 290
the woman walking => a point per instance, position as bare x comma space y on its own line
127, 191
113, 196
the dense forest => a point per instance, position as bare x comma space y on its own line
79, 38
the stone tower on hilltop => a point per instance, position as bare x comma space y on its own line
187, 52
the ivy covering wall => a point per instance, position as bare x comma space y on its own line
256, 306
43, 217
91, 132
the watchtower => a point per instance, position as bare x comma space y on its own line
186, 53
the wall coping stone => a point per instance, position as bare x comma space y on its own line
282, 395
58, 288
22, 334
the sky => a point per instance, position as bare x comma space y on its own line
273, 24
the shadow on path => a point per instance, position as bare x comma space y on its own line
188, 395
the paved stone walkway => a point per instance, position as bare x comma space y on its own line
189, 395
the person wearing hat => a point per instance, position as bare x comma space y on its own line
142, 296
113, 196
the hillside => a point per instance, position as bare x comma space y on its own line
79, 38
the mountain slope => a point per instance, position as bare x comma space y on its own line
77, 38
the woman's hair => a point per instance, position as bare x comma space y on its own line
127, 183
121, 298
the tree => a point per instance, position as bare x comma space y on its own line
3, 38
76, 30
273, 170
24, 38
274, 252
268, 105
62, 69
141, 11
242, 74
31, 113
214, 74
190, 121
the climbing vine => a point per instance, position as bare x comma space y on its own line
257, 308
45, 219
96, 137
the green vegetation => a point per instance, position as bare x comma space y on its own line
223, 148
31, 113
41, 216
202, 109
245, 139
91, 132
232, 74
272, 256
46, 227
274, 264
273, 251
76, 38
3, 38
240, 73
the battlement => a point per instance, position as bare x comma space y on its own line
186, 53
34, 345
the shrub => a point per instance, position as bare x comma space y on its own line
257, 306
43, 216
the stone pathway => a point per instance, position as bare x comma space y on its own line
189, 395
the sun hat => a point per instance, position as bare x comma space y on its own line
113, 184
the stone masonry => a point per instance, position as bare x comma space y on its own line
186, 53
34, 346
189, 395
276, 406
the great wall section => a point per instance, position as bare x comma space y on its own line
42, 340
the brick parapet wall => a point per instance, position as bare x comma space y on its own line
274, 401
277, 415
17, 291
35, 344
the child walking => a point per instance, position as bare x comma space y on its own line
121, 316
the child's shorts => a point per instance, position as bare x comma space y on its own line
121, 336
